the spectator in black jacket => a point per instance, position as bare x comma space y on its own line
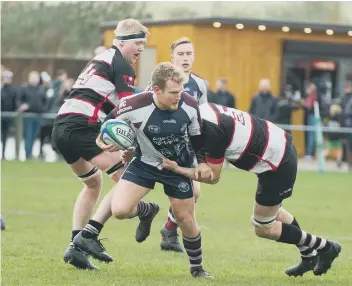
286, 105
47, 124
8, 103
222, 95
346, 105
32, 99
264, 103
57, 84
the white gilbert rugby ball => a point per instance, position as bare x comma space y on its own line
119, 133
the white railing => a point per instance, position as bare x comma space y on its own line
318, 128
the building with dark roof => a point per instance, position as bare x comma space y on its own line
246, 50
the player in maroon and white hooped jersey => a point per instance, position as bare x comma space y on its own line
261, 147
106, 79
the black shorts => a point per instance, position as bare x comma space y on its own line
144, 175
275, 186
74, 138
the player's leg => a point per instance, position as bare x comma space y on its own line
91, 180
125, 198
169, 235
272, 222
308, 258
267, 226
103, 212
180, 192
114, 170
77, 145
109, 162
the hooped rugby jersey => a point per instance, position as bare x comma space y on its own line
246, 141
106, 79
161, 133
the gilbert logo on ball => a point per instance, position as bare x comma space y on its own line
119, 133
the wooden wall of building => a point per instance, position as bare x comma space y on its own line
242, 56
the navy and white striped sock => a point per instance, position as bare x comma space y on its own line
143, 209
92, 229
193, 247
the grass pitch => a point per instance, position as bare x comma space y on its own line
37, 203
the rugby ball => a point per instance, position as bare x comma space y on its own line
119, 133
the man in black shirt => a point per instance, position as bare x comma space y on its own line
259, 146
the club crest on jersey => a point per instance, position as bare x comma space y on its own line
183, 187
154, 129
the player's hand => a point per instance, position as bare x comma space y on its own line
127, 155
101, 144
169, 165
204, 172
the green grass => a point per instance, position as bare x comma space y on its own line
37, 202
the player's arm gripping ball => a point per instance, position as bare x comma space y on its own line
106, 147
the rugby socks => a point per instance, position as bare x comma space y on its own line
193, 247
92, 229
306, 242
74, 233
310, 241
171, 221
290, 234
306, 253
144, 209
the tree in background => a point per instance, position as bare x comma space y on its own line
60, 28
302, 11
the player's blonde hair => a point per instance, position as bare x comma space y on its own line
183, 40
128, 27
164, 72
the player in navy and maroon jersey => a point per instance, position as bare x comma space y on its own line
106, 79
259, 146
182, 56
164, 120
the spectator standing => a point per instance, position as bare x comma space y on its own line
334, 139
346, 105
286, 105
311, 97
32, 100
222, 95
9, 97
264, 103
